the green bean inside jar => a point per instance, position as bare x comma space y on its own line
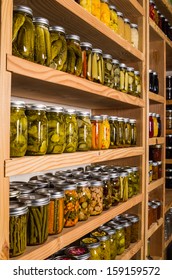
23, 33
104, 239
115, 186
97, 66
113, 242
37, 222
37, 129
107, 191
120, 239
86, 48
18, 129
93, 245
56, 130
42, 44
84, 198
71, 131
58, 47
107, 59
74, 55
130, 182
127, 229
84, 131
96, 204
114, 132
17, 228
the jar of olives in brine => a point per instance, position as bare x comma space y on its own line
42, 53
104, 239
123, 78
127, 229
86, 60
71, 131
56, 130
131, 80
105, 133
113, 18
93, 245
115, 74
18, 129
107, 59
37, 221
97, 66
58, 47
115, 185
96, 203
121, 131
23, 33
97, 131
105, 12
17, 228
84, 199
37, 129
137, 82
84, 131
114, 132
107, 192
74, 55
120, 238
133, 132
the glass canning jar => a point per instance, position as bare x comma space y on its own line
135, 179
13, 193
42, 45
169, 81
151, 126
159, 169
71, 131
133, 132
127, 229
134, 229
155, 171
120, 238
168, 113
107, 191
86, 48
155, 125
168, 152
107, 62
105, 12
115, 74
169, 140
155, 152
130, 182
84, 131
58, 47
86, 4
17, 228
37, 228
18, 129
127, 30
56, 130
168, 122
96, 203
93, 245
79, 252
127, 132
134, 35
131, 80
150, 80
151, 9
95, 8
74, 55
114, 134
154, 212
120, 24
155, 82
150, 214
113, 18
97, 66
37, 129
97, 131
123, 80
158, 202
23, 33
123, 181
104, 239
84, 198
121, 131
138, 85
115, 186
105, 133
113, 242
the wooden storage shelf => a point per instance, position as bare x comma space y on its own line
168, 102
131, 251
168, 131
165, 8
154, 227
167, 242
155, 184
156, 140
156, 98
133, 8
168, 161
168, 199
69, 235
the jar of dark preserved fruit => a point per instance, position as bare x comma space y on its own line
23, 33
18, 129
86, 48
158, 202
71, 131
78, 251
155, 152
74, 55
84, 131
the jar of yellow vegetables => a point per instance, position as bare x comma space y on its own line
105, 12
105, 133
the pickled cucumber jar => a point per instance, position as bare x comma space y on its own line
137, 82
107, 59
127, 229
115, 74
96, 203
121, 131
86, 48
130, 182
127, 30
120, 24
86, 4
17, 228
120, 238
105, 133
74, 55
113, 18
123, 181
134, 229
133, 132
123, 78
115, 186
58, 47
127, 132
105, 12
107, 191
114, 133
37, 129
23, 33
97, 131
104, 239
136, 179
18, 129
93, 245
71, 131
84, 199
42, 44
97, 66
37, 221
112, 238
131, 80
84, 131
95, 8
134, 35
56, 130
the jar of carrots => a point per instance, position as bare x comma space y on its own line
97, 130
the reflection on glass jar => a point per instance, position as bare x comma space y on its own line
74, 55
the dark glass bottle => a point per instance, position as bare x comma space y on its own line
150, 80
155, 83
151, 130
159, 124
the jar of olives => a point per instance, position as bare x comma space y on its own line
71, 131
58, 47
84, 131
115, 186
105, 133
114, 132
115, 74
113, 18
96, 203
37, 129
107, 59
17, 228
93, 245
120, 238
23, 33
84, 198
104, 239
97, 66
123, 77
86, 48
74, 55
107, 191
97, 131
18, 129
56, 130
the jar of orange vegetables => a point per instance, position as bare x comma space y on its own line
96, 124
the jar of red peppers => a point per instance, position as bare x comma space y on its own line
96, 123
86, 48
151, 130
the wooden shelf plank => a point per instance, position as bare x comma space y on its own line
131, 251
153, 185
167, 242
156, 140
168, 161
154, 227
168, 199
168, 131
168, 102
69, 235
156, 98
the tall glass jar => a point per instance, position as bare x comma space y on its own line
84, 198
134, 229
71, 131
120, 239
114, 133
96, 204
97, 131
133, 132
135, 179
151, 126
115, 74
95, 8
127, 30
37, 129
113, 242
74, 55
107, 191
113, 18
130, 182
131, 80
127, 229
103, 237
18, 129
105, 12
84, 131
56, 130
97, 66
137, 84
120, 24
127, 132
155, 125
123, 85
123, 181
121, 131
107, 60
151, 9
17, 228
93, 245
58, 47
159, 124
42, 53
86, 48
105, 133
134, 35
23, 33
115, 186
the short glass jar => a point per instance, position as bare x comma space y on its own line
120, 24
71, 131
155, 152
115, 74
155, 171
84, 199
96, 203
84, 131
97, 132
154, 212
93, 245
86, 48
134, 35
104, 239
158, 202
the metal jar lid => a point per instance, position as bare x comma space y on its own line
83, 184
168, 148
101, 237
128, 170
55, 109
123, 174
68, 187
126, 20
23, 9
18, 104
18, 183
14, 193
83, 114
52, 193
120, 14
41, 20
126, 120
169, 136
133, 25
115, 61
95, 183
112, 118
73, 37
126, 223
158, 202
112, 7
34, 199
137, 73
70, 111
39, 107
108, 229
96, 118
120, 119
86, 45
25, 189
119, 227
107, 56
57, 28
130, 69
38, 184
134, 220
18, 208
104, 177
168, 177
132, 121
99, 51
122, 65
94, 242
114, 175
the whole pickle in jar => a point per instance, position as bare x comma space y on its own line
107, 59
84, 131
123, 77
97, 66
74, 55
71, 131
